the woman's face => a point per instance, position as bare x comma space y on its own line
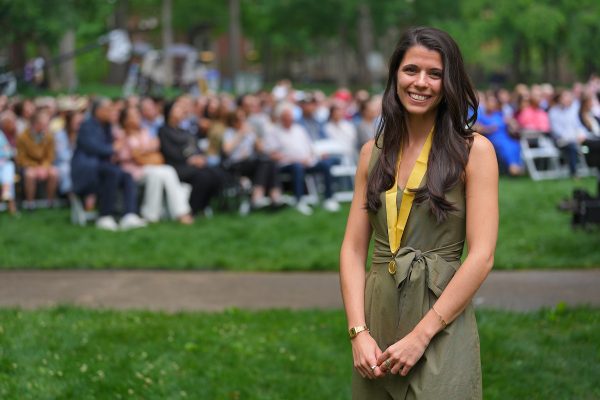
28, 109
133, 120
525, 102
337, 114
491, 103
241, 118
566, 99
76, 121
177, 114
419, 80
212, 107
504, 96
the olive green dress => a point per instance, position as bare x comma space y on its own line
428, 257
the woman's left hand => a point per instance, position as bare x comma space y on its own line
403, 354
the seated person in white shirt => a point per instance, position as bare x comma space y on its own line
242, 150
296, 155
342, 132
567, 130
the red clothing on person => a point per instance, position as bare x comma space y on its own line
534, 118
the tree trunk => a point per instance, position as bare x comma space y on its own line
118, 72
342, 76
267, 60
527, 62
17, 57
365, 43
556, 66
52, 77
286, 63
167, 40
546, 62
235, 33
516, 64
68, 75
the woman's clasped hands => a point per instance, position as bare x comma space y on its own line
399, 358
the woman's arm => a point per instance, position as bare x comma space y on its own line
353, 256
481, 190
482, 230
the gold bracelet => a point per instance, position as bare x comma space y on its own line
444, 324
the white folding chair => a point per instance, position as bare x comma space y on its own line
345, 171
541, 156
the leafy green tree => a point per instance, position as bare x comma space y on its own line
41, 25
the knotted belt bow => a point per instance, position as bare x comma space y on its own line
417, 272
428, 266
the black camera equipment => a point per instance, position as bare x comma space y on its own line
586, 207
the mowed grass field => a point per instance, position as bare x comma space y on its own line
533, 234
75, 353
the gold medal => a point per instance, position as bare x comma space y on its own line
392, 267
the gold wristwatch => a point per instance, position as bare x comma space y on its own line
355, 330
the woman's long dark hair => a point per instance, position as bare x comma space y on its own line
453, 136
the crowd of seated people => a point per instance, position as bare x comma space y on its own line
137, 160
566, 116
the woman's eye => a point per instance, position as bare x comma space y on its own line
436, 74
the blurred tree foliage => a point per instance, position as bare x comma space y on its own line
32, 28
520, 40
525, 40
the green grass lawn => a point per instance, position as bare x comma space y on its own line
75, 353
533, 234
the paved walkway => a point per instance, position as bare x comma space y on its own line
213, 291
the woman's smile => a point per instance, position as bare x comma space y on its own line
419, 97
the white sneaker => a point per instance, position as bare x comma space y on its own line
287, 200
107, 223
331, 205
245, 208
208, 213
304, 208
261, 202
132, 221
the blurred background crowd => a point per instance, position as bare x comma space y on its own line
125, 156
127, 162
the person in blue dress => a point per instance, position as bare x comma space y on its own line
491, 123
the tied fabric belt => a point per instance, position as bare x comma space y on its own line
437, 265
417, 272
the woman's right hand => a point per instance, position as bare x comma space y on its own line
365, 352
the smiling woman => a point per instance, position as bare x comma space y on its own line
420, 80
425, 184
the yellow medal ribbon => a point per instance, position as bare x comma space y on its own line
396, 221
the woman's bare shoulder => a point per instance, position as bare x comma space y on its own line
482, 153
365, 151
481, 146
365, 156
367, 148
